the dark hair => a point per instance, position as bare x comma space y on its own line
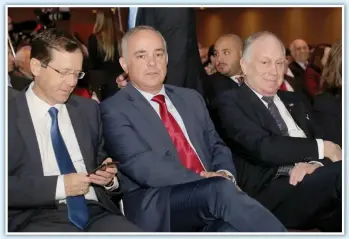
44, 42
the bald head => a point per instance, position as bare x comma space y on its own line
299, 50
227, 52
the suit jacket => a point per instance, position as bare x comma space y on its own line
254, 137
327, 112
12, 92
218, 83
29, 190
299, 82
149, 161
178, 27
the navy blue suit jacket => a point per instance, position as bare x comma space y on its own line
149, 162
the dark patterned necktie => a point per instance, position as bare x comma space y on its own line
276, 114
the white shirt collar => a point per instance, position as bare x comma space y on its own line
234, 78
39, 108
150, 96
302, 64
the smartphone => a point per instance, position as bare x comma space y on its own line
102, 167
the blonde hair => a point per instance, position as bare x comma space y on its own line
331, 78
107, 33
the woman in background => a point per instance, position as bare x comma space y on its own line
103, 49
328, 102
314, 69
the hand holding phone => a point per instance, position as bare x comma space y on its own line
102, 167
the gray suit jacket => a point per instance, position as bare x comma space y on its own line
29, 190
149, 162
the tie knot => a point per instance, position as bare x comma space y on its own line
53, 111
160, 99
268, 99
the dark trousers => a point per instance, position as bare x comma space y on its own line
313, 203
56, 220
215, 204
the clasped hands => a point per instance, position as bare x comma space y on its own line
78, 183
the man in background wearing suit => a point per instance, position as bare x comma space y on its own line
300, 53
227, 52
178, 26
281, 159
178, 174
53, 141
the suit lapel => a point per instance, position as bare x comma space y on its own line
258, 109
83, 137
26, 129
146, 110
188, 120
295, 110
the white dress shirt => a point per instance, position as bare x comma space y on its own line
172, 109
289, 72
234, 78
302, 64
42, 124
293, 129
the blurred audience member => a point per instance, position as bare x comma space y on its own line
103, 48
314, 68
210, 64
328, 101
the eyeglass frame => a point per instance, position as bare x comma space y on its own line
63, 75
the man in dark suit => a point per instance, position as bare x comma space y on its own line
281, 159
300, 53
227, 52
176, 169
53, 141
178, 27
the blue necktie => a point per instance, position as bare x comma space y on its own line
77, 208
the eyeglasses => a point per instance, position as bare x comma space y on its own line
79, 75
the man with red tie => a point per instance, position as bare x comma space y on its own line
176, 173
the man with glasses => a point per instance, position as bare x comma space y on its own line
55, 139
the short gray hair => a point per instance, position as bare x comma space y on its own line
251, 39
131, 32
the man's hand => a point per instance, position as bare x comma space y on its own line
104, 177
332, 151
214, 174
300, 170
76, 184
121, 80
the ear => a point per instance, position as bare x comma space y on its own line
243, 65
166, 59
35, 66
123, 64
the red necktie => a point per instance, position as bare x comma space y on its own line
283, 87
186, 153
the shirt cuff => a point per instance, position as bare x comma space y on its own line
321, 149
114, 186
316, 162
60, 190
229, 174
